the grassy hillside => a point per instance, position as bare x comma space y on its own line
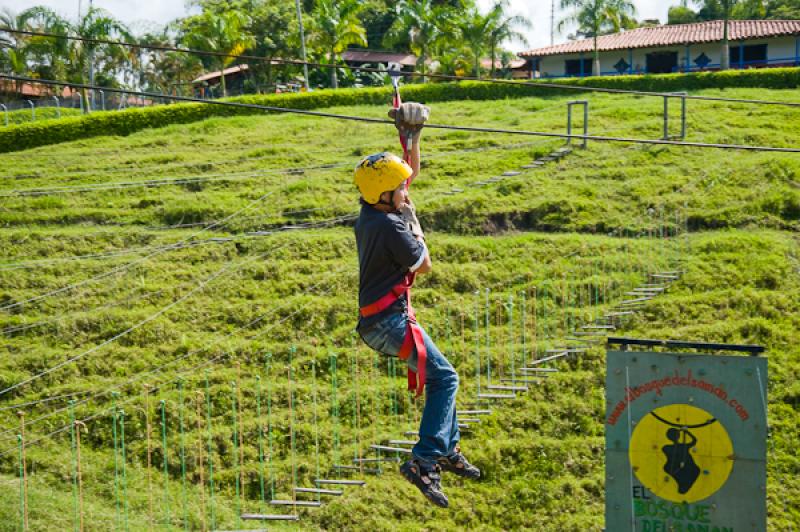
189, 216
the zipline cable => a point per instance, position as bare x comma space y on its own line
172, 378
129, 265
200, 286
139, 376
236, 176
160, 368
239, 105
447, 77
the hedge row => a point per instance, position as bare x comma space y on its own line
21, 137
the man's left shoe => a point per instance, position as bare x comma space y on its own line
458, 464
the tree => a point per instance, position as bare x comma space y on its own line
597, 17
334, 26
165, 71
503, 28
14, 56
274, 27
681, 14
783, 10
222, 30
423, 24
715, 10
474, 29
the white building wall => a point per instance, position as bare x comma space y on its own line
779, 49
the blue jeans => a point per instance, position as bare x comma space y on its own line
438, 431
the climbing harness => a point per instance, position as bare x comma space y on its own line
413, 338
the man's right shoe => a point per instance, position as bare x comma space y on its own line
427, 479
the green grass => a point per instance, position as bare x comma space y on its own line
546, 228
23, 116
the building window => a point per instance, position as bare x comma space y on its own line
621, 66
662, 62
753, 54
702, 60
572, 67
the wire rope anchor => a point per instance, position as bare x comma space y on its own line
585, 104
666, 135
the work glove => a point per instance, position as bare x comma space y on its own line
410, 117
409, 214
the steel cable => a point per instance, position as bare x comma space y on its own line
559, 86
240, 105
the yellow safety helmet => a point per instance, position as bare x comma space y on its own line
380, 173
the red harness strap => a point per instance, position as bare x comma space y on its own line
416, 381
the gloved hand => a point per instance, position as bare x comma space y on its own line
410, 116
409, 213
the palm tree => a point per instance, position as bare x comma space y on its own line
503, 28
223, 32
595, 17
335, 26
85, 57
423, 24
713, 10
474, 29
14, 45
725, 6
50, 54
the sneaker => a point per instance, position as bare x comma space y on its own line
427, 479
457, 463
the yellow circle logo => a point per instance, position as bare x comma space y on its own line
681, 453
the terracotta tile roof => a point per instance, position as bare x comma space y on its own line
375, 56
28, 90
673, 35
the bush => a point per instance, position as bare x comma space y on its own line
31, 135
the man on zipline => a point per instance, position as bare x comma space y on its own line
391, 252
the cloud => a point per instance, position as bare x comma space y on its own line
538, 12
143, 13
138, 13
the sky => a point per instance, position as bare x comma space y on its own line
144, 14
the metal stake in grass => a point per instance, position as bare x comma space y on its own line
209, 435
75, 501
523, 325
334, 405
148, 430
121, 418
488, 342
260, 445
268, 373
23, 510
114, 412
163, 405
199, 464
291, 431
235, 425
511, 335
477, 342
184, 497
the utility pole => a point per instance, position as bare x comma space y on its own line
302, 41
91, 61
552, 22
